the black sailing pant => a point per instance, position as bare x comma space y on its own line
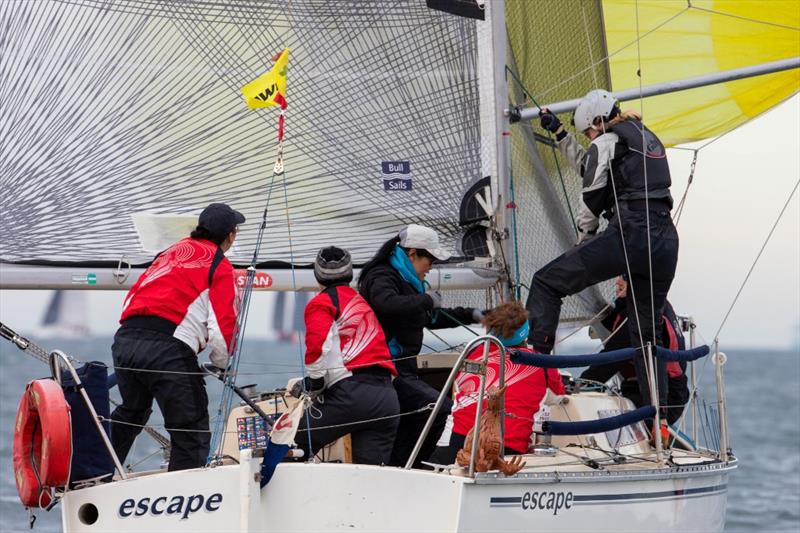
182, 398
366, 395
414, 394
601, 258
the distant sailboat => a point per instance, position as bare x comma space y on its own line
66, 316
287, 315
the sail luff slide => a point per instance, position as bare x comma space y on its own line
530, 113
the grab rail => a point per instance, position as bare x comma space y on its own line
602, 358
55, 369
486, 340
601, 425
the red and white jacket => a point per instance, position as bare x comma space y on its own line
344, 337
525, 388
176, 287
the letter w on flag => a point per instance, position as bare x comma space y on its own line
280, 439
269, 89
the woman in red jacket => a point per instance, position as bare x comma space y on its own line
349, 367
525, 387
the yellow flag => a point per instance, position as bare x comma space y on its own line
269, 89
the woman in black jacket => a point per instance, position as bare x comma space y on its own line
393, 283
616, 322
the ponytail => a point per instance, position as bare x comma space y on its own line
381, 256
201, 233
626, 115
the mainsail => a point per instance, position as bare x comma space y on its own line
121, 120
124, 109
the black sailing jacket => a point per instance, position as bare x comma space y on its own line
404, 313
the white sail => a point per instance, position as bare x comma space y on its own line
115, 116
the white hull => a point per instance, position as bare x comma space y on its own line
343, 497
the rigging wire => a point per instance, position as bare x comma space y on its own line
679, 209
646, 191
517, 273
740, 17
755, 261
294, 286
308, 429
589, 43
552, 145
609, 56
228, 377
693, 394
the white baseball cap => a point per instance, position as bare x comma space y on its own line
422, 237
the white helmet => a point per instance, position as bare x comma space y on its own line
597, 103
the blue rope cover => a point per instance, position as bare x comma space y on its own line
571, 361
602, 358
681, 355
599, 426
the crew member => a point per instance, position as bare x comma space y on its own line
626, 179
526, 386
393, 282
616, 323
349, 367
182, 303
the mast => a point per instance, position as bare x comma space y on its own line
496, 20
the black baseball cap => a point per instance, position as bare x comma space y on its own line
219, 219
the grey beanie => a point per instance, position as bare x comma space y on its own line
333, 265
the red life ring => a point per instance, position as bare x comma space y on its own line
42, 442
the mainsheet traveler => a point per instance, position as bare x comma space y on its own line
185, 301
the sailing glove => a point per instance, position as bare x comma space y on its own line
549, 121
436, 297
585, 235
312, 386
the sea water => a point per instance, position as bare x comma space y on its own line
763, 398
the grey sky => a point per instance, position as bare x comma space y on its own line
741, 182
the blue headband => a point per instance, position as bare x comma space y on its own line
517, 337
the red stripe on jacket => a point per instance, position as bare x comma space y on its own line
175, 287
361, 339
674, 369
525, 388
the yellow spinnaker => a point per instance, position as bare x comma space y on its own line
264, 91
680, 40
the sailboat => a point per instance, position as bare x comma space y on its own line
287, 315
66, 316
121, 120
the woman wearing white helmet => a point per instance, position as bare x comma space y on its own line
626, 180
